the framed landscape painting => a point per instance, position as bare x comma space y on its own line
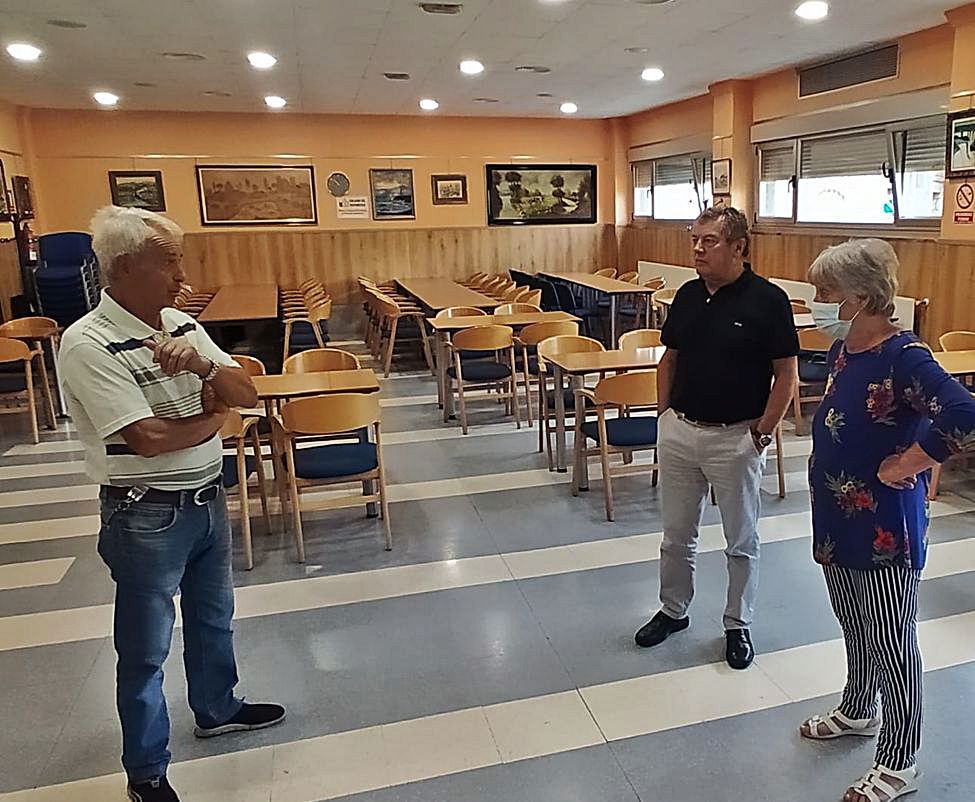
232, 195
392, 194
137, 188
541, 194
449, 190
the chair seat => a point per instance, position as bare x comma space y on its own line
482, 371
813, 370
331, 462
625, 432
230, 477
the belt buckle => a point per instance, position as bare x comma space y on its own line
205, 495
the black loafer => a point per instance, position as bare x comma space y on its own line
659, 628
157, 789
739, 651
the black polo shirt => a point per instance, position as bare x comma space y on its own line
725, 345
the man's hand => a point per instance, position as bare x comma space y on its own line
893, 474
176, 355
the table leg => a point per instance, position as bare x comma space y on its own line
612, 321
448, 396
583, 465
646, 322
440, 368
559, 419
61, 410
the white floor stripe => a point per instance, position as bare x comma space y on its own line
42, 469
76, 624
34, 573
409, 401
409, 751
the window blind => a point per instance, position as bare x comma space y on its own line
778, 162
860, 153
921, 149
643, 175
679, 170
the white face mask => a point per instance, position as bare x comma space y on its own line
827, 319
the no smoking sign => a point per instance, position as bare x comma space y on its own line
965, 196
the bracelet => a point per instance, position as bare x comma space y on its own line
212, 373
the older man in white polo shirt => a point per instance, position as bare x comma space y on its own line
148, 391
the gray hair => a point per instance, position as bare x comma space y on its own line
117, 231
866, 268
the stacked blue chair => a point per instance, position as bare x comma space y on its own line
66, 281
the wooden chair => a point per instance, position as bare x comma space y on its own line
659, 307
630, 278
332, 464
460, 311
800, 308
237, 470
489, 374
13, 352
516, 309
35, 331
636, 308
622, 434
957, 341
606, 272
640, 338
319, 360
313, 318
390, 314
562, 344
533, 297
473, 279
512, 293
528, 340
814, 345
251, 365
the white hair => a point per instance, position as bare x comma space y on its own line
866, 268
117, 231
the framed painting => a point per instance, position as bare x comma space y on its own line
143, 189
236, 195
541, 194
449, 190
960, 156
23, 197
392, 194
721, 176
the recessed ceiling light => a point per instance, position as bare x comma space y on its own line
175, 55
23, 51
67, 23
397, 76
486, 100
813, 10
652, 74
471, 67
535, 68
568, 108
275, 101
105, 98
637, 51
261, 61
429, 104
442, 8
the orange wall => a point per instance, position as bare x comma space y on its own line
686, 118
74, 150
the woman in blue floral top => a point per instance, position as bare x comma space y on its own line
889, 414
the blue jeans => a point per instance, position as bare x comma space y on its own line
153, 550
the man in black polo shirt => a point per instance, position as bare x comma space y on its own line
723, 385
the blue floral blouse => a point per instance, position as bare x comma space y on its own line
878, 403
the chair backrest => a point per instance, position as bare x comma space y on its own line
635, 389
957, 341
663, 295
512, 293
65, 247
533, 297
252, 365
320, 311
535, 333
640, 338
568, 344
799, 308
607, 272
476, 277
459, 311
29, 327
656, 283
514, 309
233, 426
318, 360
815, 340
13, 350
550, 298
484, 338
330, 414
631, 277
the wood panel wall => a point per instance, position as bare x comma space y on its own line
338, 257
943, 272
11, 283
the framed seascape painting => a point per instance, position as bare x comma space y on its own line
232, 195
541, 194
960, 157
449, 190
137, 188
392, 194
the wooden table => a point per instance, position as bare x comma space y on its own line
241, 302
957, 363
577, 366
440, 293
442, 328
802, 320
606, 286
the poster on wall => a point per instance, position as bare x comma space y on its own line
258, 195
392, 194
352, 207
142, 189
541, 194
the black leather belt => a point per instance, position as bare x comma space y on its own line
706, 424
177, 498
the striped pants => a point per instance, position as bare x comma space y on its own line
878, 613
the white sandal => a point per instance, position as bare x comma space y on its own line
838, 726
872, 785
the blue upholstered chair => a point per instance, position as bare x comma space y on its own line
497, 373
814, 345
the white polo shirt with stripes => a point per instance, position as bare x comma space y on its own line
111, 381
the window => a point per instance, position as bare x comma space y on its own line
675, 188
880, 176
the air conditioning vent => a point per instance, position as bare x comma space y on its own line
860, 68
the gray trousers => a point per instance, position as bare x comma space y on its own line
692, 458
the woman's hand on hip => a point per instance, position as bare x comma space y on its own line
892, 472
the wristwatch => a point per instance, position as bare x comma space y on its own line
763, 440
212, 373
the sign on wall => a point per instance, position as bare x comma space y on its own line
352, 207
